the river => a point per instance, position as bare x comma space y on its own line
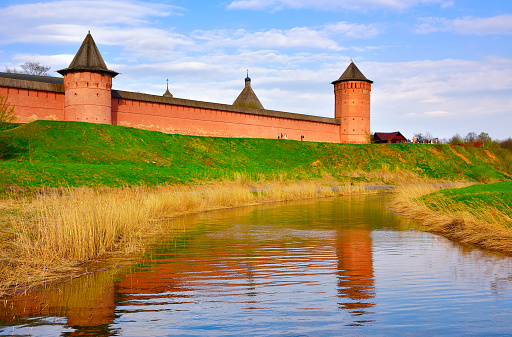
324, 267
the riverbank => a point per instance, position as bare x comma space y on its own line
75, 194
66, 232
478, 215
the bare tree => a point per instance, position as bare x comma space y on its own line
418, 136
6, 111
471, 137
31, 68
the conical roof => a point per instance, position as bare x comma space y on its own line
247, 97
167, 93
88, 58
352, 73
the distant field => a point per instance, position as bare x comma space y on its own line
54, 153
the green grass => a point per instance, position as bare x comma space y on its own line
52, 153
498, 195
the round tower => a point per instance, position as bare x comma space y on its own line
88, 85
352, 105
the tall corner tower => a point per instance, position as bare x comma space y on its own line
88, 86
352, 105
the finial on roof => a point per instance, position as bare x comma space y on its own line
351, 60
89, 32
247, 79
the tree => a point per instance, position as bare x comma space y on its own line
31, 68
471, 137
6, 116
428, 136
457, 139
418, 136
506, 144
6, 111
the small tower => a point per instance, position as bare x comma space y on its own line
247, 97
167, 93
352, 105
87, 85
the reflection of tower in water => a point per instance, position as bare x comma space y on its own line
356, 285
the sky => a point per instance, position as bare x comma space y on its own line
439, 66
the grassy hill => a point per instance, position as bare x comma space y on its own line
51, 153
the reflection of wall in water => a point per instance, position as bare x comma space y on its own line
86, 302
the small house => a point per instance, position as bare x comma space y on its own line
389, 137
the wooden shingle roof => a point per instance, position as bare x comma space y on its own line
352, 73
247, 97
88, 58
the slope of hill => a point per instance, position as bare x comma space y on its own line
52, 153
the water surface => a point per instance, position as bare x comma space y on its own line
319, 267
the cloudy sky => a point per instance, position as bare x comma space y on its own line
438, 66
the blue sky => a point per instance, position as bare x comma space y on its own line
438, 66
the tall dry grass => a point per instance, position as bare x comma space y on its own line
57, 232
481, 225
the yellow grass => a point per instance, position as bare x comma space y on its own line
480, 225
54, 234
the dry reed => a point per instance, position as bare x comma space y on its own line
58, 231
481, 225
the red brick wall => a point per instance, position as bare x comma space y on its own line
352, 107
33, 104
30, 105
209, 122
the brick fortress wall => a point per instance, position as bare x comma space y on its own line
34, 99
174, 115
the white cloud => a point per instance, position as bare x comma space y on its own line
442, 97
95, 12
354, 31
501, 24
129, 25
324, 37
301, 37
359, 5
